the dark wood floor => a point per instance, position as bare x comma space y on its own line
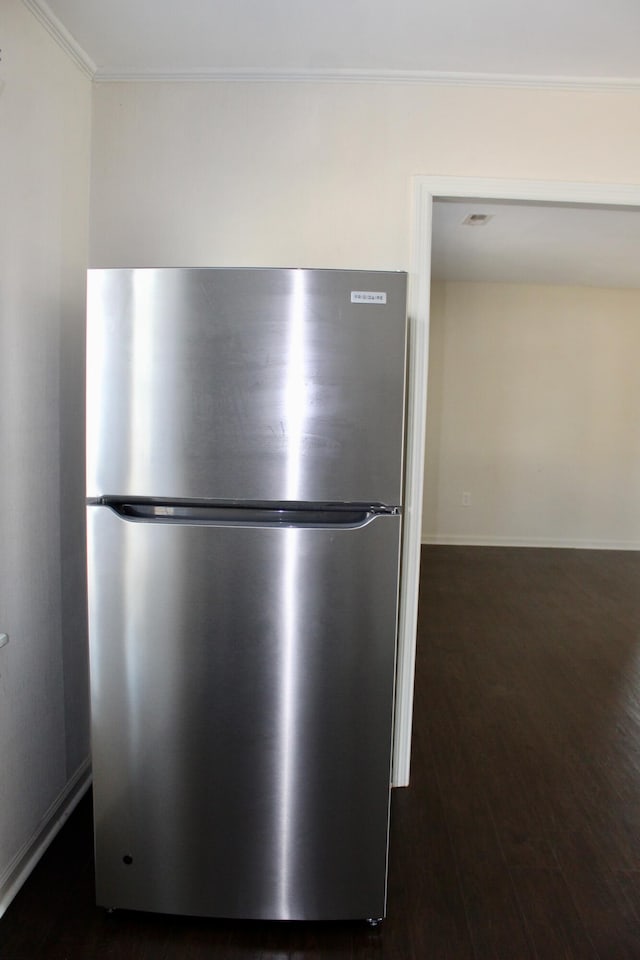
520, 834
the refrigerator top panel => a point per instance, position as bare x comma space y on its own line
264, 385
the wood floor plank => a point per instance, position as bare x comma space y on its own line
494, 919
607, 916
555, 926
423, 879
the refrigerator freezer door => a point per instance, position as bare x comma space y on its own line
259, 385
242, 688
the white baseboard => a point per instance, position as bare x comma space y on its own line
58, 813
472, 540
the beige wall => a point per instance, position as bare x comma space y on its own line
45, 106
534, 410
319, 174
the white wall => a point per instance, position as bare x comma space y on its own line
534, 410
45, 105
319, 174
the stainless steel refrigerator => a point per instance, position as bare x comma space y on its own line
244, 484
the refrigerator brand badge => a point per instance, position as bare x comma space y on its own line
368, 296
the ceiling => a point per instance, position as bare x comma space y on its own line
540, 41
537, 243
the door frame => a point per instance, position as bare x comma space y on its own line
426, 189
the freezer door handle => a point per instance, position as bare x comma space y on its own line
273, 516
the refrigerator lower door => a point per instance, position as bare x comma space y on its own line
242, 689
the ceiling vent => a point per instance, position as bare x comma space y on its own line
477, 219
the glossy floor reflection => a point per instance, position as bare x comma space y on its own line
520, 834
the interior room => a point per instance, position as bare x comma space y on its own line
158, 138
532, 391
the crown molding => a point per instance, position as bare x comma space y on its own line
61, 35
402, 77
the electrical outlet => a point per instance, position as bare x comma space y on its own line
466, 499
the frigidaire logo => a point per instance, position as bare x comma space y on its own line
368, 296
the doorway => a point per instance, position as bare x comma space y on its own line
425, 191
